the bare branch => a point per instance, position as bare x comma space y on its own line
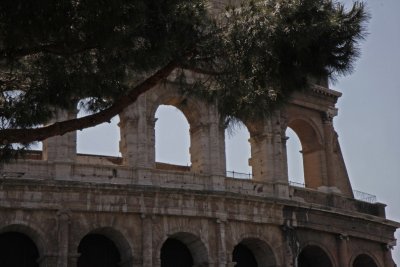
8, 136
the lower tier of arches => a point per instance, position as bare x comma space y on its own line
133, 240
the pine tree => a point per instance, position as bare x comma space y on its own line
55, 53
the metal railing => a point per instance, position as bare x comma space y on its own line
238, 175
297, 184
364, 196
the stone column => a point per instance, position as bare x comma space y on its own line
221, 246
61, 148
147, 240
73, 259
47, 261
387, 256
199, 148
343, 250
63, 234
137, 135
262, 160
268, 156
328, 143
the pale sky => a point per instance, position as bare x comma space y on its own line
368, 123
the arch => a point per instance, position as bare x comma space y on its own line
196, 113
194, 245
314, 256
98, 250
294, 158
111, 237
312, 151
175, 253
308, 133
238, 151
253, 252
172, 136
18, 249
364, 260
32, 232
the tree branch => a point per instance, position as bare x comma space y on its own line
8, 136
56, 49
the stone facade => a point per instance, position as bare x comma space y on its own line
57, 197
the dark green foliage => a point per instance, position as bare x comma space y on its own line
268, 49
55, 53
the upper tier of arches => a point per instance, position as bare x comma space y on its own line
309, 115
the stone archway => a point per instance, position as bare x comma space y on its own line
98, 250
18, 249
364, 260
313, 256
312, 151
175, 253
252, 252
183, 250
104, 245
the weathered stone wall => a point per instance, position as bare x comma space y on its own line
59, 198
56, 215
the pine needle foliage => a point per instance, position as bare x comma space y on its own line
251, 58
268, 49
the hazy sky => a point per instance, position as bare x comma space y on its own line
368, 123
369, 111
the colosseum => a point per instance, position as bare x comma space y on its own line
60, 208
65, 209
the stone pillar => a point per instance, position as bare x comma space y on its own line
328, 143
292, 245
387, 256
343, 250
199, 148
63, 234
268, 155
221, 246
137, 135
61, 148
336, 169
73, 259
47, 261
207, 147
147, 240
216, 144
262, 160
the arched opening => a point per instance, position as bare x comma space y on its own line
97, 250
172, 137
243, 257
183, 250
294, 159
175, 253
238, 152
313, 256
312, 151
364, 261
253, 252
103, 139
18, 250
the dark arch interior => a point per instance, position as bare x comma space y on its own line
17, 250
243, 256
364, 261
98, 251
174, 253
313, 256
